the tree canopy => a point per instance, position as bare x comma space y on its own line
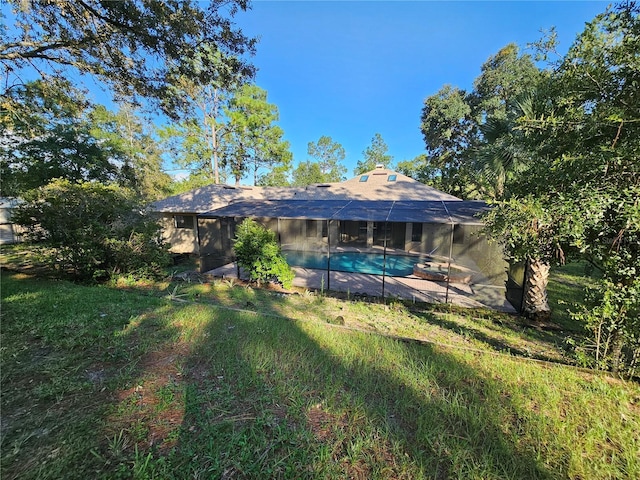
137, 47
252, 140
61, 135
580, 195
375, 154
457, 125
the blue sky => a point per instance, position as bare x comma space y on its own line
352, 69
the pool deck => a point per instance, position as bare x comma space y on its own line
408, 288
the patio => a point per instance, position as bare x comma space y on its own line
407, 288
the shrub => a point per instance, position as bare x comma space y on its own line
259, 254
92, 231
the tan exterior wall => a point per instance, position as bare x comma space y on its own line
182, 240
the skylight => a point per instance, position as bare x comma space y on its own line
364, 178
392, 178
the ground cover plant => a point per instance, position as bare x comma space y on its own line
221, 380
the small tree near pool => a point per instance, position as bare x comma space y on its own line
259, 254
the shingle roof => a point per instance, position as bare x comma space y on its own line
379, 184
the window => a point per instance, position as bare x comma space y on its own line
364, 178
416, 232
392, 178
183, 221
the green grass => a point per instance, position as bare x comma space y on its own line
214, 381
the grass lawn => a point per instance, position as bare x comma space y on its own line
190, 380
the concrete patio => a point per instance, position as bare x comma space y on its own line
408, 288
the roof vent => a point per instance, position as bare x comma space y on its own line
380, 165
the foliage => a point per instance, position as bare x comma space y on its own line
307, 173
375, 154
251, 139
92, 231
140, 151
455, 125
277, 177
54, 139
61, 135
329, 155
134, 46
449, 133
584, 131
186, 145
259, 254
612, 313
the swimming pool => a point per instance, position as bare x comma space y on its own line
355, 262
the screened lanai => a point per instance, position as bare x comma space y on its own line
430, 251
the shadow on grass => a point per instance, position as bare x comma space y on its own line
158, 390
271, 398
547, 339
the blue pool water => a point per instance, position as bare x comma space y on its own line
354, 262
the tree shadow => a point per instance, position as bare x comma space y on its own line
549, 340
273, 398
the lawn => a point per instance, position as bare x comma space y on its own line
191, 380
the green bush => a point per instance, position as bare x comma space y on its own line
612, 315
92, 231
259, 254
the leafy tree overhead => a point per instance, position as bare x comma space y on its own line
60, 135
455, 124
375, 154
55, 138
132, 45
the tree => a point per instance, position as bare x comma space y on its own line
259, 254
375, 154
91, 231
252, 140
457, 125
202, 123
56, 138
140, 151
133, 45
422, 170
277, 177
449, 133
581, 195
329, 155
187, 146
307, 173
61, 135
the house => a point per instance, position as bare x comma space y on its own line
9, 231
179, 213
381, 223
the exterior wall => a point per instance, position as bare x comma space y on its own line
182, 240
9, 232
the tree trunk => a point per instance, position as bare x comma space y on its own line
536, 305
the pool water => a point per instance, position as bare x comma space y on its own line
354, 262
